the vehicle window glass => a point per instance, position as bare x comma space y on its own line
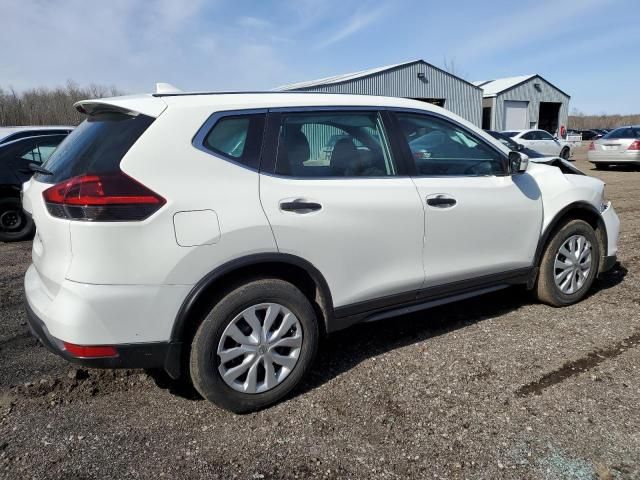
624, 132
333, 144
229, 136
510, 134
237, 137
529, 136
439, 147
46, 151
96, 146
33, 155
542, 135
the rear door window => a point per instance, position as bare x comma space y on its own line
97, 145
333, 144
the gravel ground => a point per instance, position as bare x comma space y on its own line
494, 387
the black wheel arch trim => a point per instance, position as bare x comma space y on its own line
189, 303
557, 219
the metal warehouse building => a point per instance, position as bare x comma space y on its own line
524, 102
417, 79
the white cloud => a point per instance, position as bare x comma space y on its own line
357, 22
253, 22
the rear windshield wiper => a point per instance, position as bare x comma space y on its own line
34, 167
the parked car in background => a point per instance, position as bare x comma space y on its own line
15, 159
534, 156
162, 243
589, 134
619, 146
541, 141
8, 134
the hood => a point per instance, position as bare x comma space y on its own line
564, 165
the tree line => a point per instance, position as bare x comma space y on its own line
580, 121
48, 106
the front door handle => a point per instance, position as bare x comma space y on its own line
299, 205
441, 201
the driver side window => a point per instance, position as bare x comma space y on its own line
440, 148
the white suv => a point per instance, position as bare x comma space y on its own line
214, 236
542, 142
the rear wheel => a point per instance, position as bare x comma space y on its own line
255, 345
569, 264
565, 153
15, 224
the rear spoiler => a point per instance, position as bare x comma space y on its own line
129, 105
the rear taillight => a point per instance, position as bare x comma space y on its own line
592, 146
635, 145
103, 197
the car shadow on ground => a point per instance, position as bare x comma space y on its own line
344, 350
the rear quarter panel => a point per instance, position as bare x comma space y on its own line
147, 252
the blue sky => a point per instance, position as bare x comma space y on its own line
588, 48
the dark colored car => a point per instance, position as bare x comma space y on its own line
515, 146
9, 134
15, 159
589, 134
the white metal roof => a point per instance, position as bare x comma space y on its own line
492, 87
341, 78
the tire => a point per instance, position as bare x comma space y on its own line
15, 224
602, 166
565, 153
547, 289
214, 337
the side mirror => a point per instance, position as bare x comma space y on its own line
518, 162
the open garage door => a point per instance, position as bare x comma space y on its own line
515, 115
549, 113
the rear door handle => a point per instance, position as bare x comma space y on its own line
441, 201
299, 205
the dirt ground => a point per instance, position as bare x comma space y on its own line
494, 387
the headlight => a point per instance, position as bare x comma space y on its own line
604, 201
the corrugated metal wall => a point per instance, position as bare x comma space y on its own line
527, 92
460, 97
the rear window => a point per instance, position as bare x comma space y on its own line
96, 146
625, 132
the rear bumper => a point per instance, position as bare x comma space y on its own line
164, 355
611, 157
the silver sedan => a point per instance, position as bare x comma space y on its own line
619, 146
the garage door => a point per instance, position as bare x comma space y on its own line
515, 115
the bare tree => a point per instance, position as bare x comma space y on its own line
48, 106
579, 120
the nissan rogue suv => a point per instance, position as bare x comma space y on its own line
214, 236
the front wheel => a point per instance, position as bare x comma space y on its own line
255, 345
569, 264
15, 224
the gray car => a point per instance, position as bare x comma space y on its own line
619, 146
